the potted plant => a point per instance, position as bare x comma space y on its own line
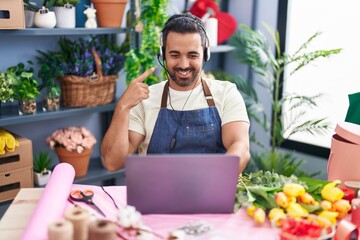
49, 70
91, 65
44, 18
73, 145
6, 91
30, 8
65, 12
253, 48
25, 87
41, 167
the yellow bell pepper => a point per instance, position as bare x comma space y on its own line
259, 215
293, 189
331, 216
332, 193
295, 210
281, 199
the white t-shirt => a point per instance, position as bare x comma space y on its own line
228, 101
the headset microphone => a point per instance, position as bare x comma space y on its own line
167, 71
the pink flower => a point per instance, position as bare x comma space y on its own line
74, 138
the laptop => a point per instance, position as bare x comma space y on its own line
181, 183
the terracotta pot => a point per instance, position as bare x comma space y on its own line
109, 13
80, 161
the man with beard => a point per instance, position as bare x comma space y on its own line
185, 114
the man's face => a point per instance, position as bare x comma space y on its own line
184, 58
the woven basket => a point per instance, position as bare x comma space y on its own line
78, 91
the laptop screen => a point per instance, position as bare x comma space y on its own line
181, 183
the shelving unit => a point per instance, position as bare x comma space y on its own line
9, 116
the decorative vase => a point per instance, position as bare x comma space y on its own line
65, 16
44, 19
27, 107
79, 161
109, 13
51, 104
29, 18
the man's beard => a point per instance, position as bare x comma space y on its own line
185, 82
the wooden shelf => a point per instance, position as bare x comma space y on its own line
10, 115
63, 31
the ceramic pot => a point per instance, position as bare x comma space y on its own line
29, 18
42, 179
79, 161
65, 16
44, 19
109, 13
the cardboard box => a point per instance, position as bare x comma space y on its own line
22, 157
12, 181
12, 14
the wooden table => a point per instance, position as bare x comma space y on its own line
224, 226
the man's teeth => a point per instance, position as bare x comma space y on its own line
183, 72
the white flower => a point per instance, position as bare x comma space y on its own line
129, 217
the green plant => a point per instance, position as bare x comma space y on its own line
42, 162
138, 60
48, 3
76, 58
6, 91
253, 49
61, 3
25, 86
29, 6
48, 72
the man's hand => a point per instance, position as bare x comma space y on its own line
137, 91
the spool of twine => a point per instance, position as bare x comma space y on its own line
80, 219
60, 230
102, 229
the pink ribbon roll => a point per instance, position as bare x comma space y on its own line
52, 203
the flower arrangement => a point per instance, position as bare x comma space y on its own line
76, 58
75, 138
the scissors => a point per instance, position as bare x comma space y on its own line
85, 196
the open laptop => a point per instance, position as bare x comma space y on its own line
181, 183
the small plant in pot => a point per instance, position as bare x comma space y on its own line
6, 91
44, 18
41, 167
65, 13
48, 72
25, 87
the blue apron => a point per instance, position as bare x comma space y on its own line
194, 131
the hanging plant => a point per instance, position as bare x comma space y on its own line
138, 60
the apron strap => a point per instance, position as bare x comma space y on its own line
209, 98
165, 95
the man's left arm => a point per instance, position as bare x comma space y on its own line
235, 136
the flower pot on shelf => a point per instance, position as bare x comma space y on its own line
79, 161
42, 178
44, 19
65, 16
51, 104
109, 13
27, 107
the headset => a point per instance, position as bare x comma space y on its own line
200, 25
